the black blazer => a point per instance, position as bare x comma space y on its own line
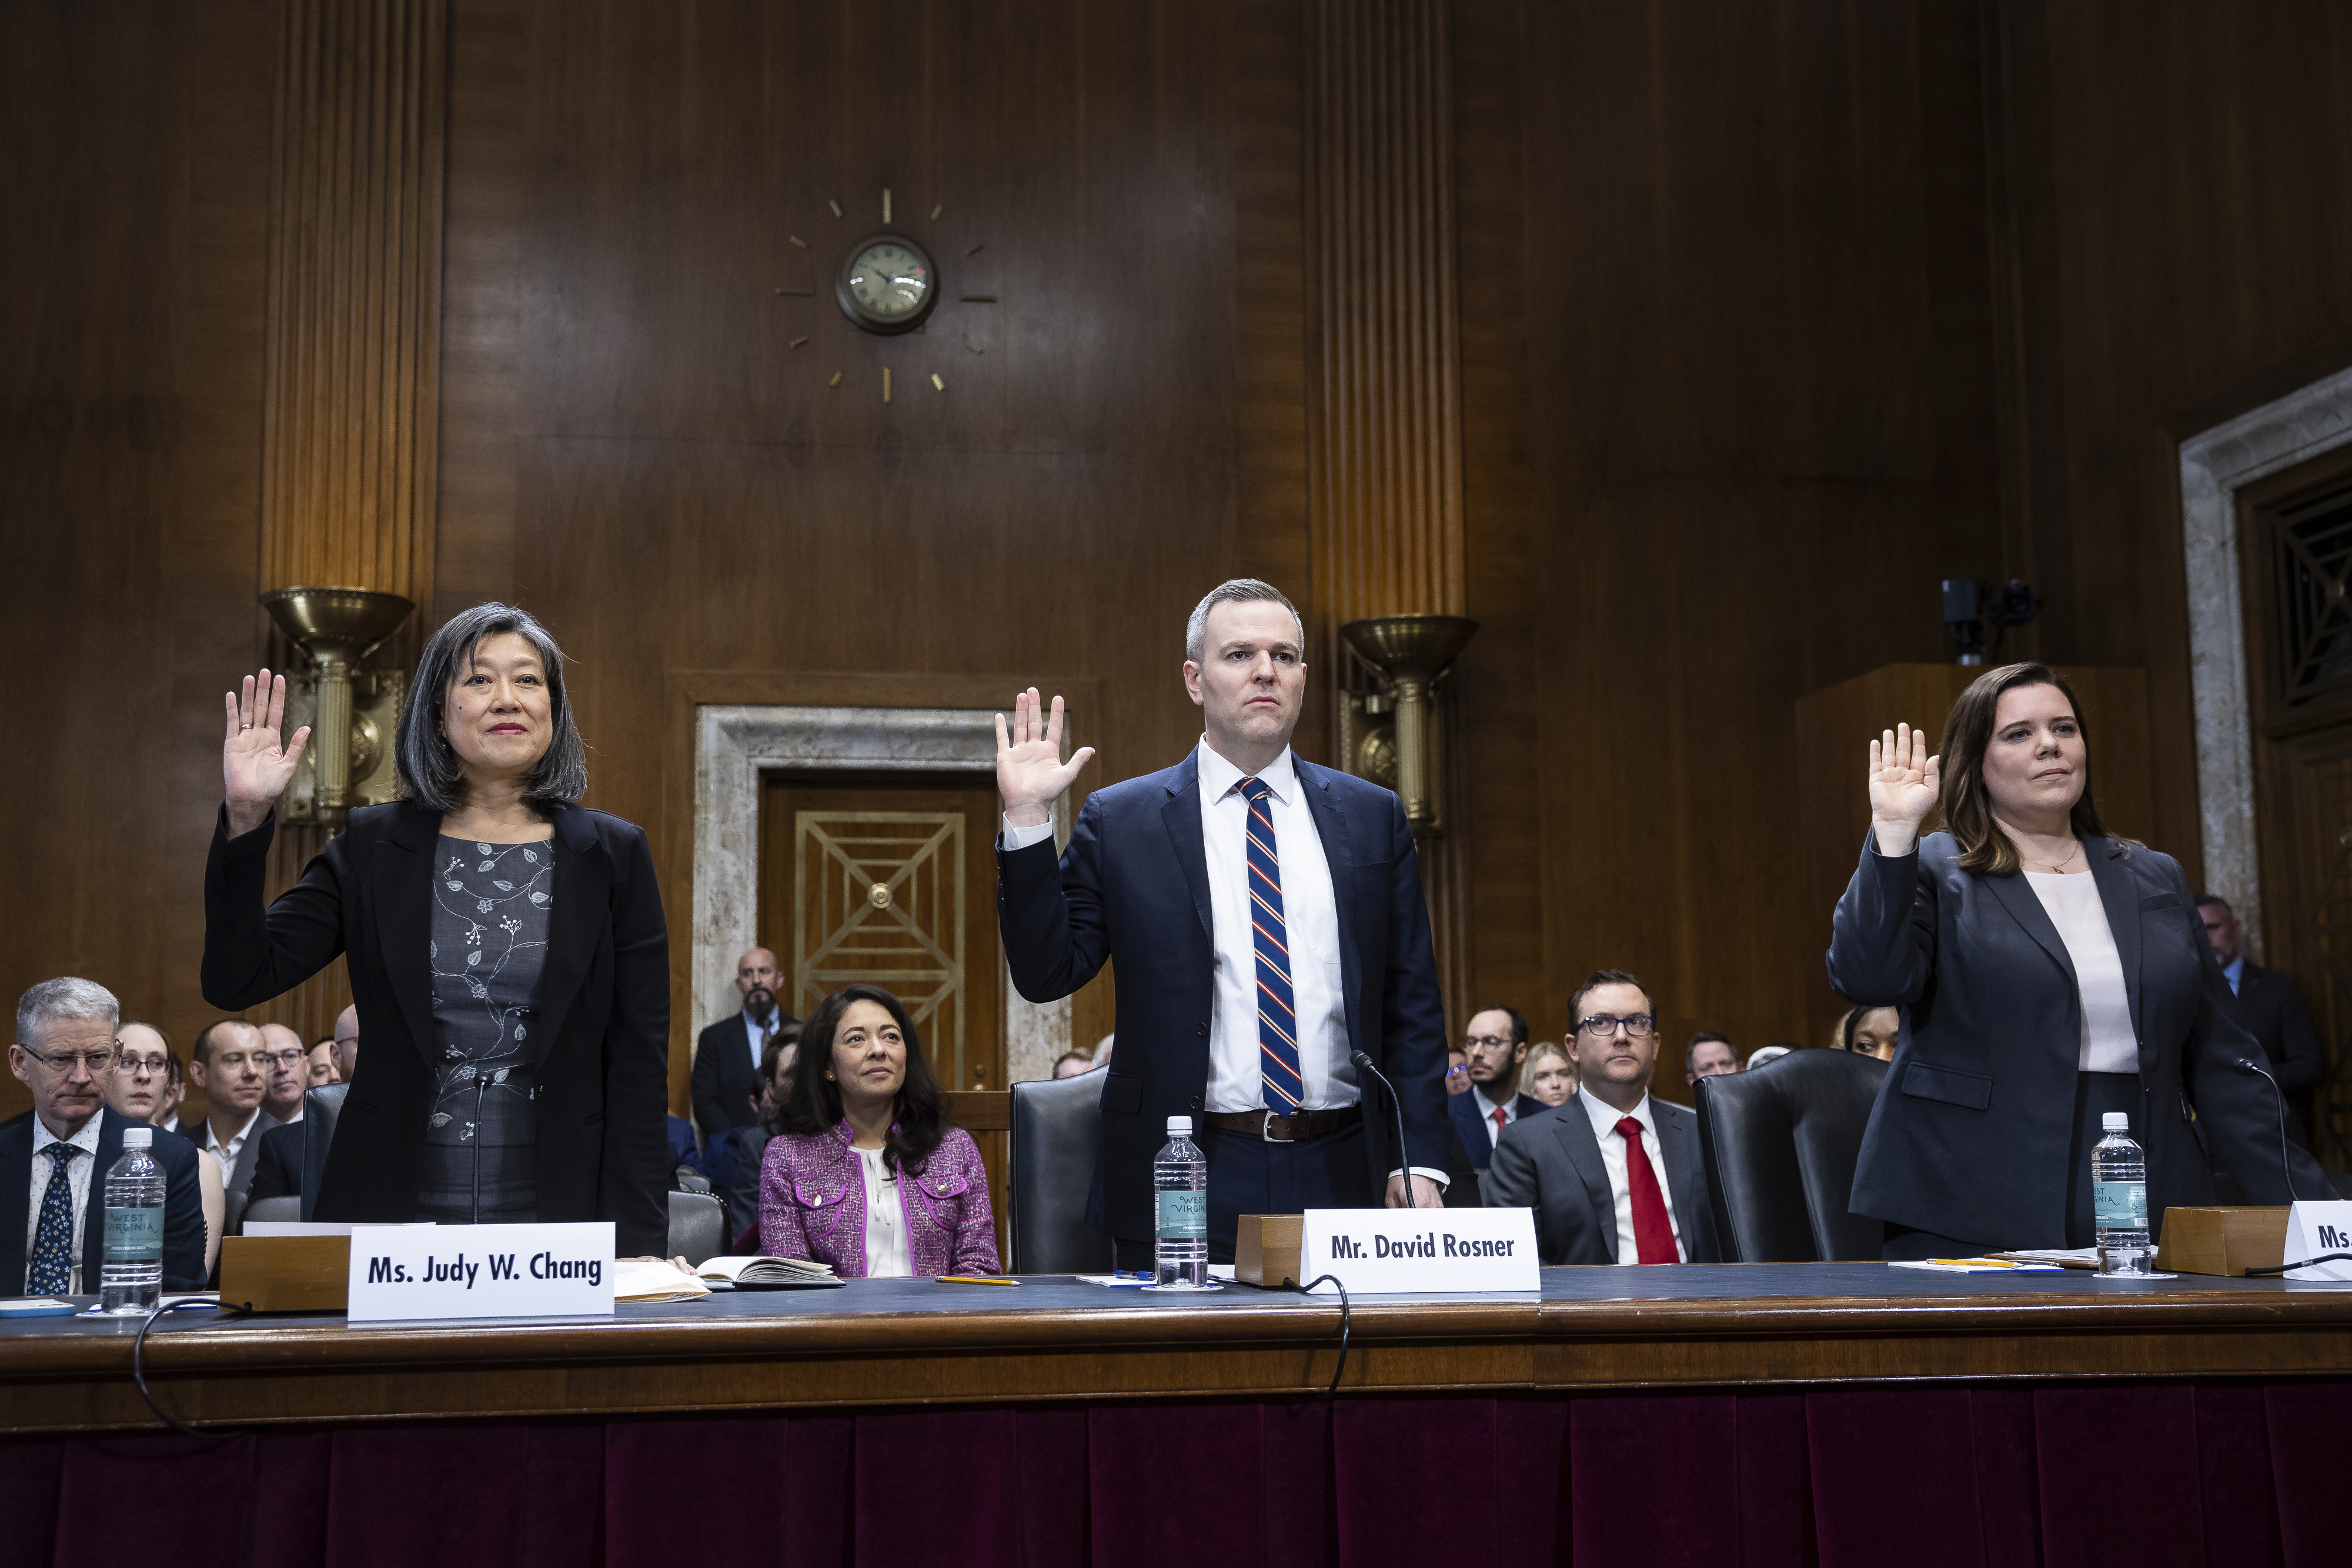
278, 1171
1476, 1145
603, 1041
2268, 1006
1133, 889
1551, 1163
184, 1204
726, 1081
1970, 1135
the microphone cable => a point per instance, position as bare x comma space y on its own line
138, 1370
2247, 1067
1347, 1320
2290, 1268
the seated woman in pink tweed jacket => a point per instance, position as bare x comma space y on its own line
866, 1174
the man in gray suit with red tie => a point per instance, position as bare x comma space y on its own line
1266, 919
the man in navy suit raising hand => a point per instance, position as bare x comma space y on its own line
1266, 919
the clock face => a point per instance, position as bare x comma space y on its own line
887, 284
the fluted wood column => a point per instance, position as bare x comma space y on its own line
1384, 474
352, 402
351, 411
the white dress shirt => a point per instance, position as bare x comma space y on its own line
1613, 1154
226, 1151
1487, 1108
886, 1219
78, 1182
2109, 1043
1311, 917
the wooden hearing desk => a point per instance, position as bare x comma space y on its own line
1822, 1414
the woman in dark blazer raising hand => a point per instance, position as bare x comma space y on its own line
2047, 973
506, 950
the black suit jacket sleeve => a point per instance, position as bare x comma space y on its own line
2301, 1062
255, 951
1050, 910
703, 1085
278, 1171
636, 1171
1883, 935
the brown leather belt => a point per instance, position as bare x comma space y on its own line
1293, 1129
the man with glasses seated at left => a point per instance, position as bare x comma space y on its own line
1613, 1176
54, 1157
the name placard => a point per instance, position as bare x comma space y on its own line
402, 1274
1420, 1251
2315, 1228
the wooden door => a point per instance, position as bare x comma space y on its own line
2295, 539
890, 880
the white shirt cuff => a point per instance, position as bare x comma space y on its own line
1440, 1177
1021, 838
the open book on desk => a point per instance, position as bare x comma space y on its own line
769, 1273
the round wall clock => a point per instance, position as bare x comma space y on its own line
885, 284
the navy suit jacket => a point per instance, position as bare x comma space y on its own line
1970, 1135
1476, 1140
1133, 889
184, 1204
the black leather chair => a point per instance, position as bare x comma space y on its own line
273, 1210
697, 1226
1057, 1127
320, 1108
1779, 1143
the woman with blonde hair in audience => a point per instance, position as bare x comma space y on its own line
1549, 1074
1868, 1032
866, 1174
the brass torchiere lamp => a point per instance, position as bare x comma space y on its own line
1409, 652
352, 713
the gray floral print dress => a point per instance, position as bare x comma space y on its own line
490, 908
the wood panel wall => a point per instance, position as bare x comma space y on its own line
1769, 319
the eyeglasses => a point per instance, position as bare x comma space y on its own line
64, 1063
286, 1058
1601, 1026
144, 1066
1485, 1041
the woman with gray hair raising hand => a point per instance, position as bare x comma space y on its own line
507, 941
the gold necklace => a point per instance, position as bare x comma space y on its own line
2062, 865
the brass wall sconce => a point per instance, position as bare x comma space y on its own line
352, 713
1391, 729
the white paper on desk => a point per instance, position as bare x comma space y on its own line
1973, 1266
318, 1227
2312, 1228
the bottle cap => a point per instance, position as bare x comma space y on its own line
1180, 1126
2115, 1121
138, 1138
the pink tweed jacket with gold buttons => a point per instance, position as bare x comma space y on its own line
813, 1204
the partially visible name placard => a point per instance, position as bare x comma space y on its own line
1420, 1251
402, 1274
2314, 1230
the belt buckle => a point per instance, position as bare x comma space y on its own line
1265, 1129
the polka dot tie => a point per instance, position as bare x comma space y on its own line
49, 1272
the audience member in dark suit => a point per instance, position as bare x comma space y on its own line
2048, 975
683, 1155
1613, 1176
732, 1158
53, 1158
143, 1087
2268, 1005
1708, 1055
504, 944
277, 1173
230, 1067
726, 1056
1266, 920
1495, 1046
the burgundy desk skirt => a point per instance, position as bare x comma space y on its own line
2152, 1474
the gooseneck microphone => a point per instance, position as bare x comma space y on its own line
1404, 1161
2251, 1068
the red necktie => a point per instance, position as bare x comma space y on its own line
1498, 1126
1653, 1233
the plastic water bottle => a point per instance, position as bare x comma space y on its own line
130, 1277
1180, 1184
2119, 1199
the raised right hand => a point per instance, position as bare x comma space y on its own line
254, 768
1905, 785
1030, 772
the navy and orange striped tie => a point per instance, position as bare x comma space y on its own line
1277, 1016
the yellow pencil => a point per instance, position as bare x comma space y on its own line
973, 1280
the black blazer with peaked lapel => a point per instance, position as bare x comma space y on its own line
1133, 887
1551, 1163
1972, 1134
602, 1035
1477, 1142
184, 1204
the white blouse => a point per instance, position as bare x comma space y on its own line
886, 1219
2109, 1043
